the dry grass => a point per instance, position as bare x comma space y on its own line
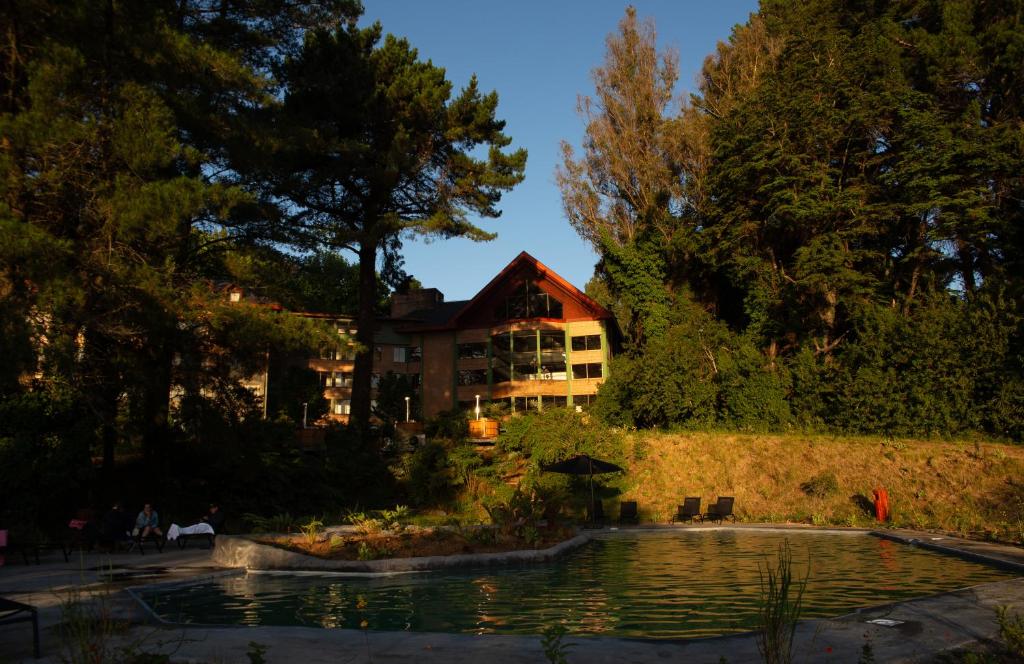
974, 489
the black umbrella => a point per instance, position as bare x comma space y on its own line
583, 464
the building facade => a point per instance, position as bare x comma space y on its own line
528, 339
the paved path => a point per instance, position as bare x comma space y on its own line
927, 626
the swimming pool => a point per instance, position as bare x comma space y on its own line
651, 584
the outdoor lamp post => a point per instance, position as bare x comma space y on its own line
407, 409
478, 406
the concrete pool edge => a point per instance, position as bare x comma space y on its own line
929, 626
241, 552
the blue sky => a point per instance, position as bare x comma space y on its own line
538, 56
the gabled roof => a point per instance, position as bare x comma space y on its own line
452, 316
439, 315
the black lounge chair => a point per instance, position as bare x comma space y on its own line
721, 510
627, 512
13, 612
689, 510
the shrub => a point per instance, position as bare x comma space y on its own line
821, 486
279, 523
429, 474
312, 530
450, 424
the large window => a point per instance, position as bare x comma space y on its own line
475, 350
588, 342
589, 370
406, 354
335, 379
472, 376
528, 301
553, 371
524, 342
341, 406
523, 404
554, 402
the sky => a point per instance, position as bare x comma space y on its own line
538, 55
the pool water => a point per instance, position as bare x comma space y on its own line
648, 584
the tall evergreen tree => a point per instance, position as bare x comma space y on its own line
376, 149
119, 126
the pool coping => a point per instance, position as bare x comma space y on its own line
243, 552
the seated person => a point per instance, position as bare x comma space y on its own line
209, 524
115, 527
147, 522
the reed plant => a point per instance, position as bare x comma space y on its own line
781, 604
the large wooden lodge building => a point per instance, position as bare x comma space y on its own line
528, 338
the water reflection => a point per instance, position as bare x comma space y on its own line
661, 585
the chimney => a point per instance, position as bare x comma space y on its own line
403, 304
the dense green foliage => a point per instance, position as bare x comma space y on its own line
839, 242
157, 156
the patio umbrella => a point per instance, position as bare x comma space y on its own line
583, 464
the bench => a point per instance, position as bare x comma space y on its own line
14, 612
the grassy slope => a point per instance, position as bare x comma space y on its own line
969, 488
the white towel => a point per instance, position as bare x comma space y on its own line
199, 529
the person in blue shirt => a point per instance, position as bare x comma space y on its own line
148, 522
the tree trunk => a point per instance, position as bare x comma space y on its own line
156, 404
366, 322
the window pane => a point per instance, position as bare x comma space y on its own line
470, 351
554, 308
524, 371
501, 343
501, 372
579, 343
579, 371
552, 340
594, 342
594, 370
517, 307
524, 342
472, 376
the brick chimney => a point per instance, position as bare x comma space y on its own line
403, 304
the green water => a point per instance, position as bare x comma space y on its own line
654, 585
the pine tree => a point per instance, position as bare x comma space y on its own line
375, 149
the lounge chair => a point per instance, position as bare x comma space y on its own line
689, 510
627, 512
721, 510
14, 612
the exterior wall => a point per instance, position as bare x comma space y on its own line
385, 359
436, 392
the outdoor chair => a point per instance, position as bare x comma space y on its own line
158, 540
721, 510
628, 512
211, 539
689, 510
80, 533
14, 612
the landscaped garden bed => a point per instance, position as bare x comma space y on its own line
415, 542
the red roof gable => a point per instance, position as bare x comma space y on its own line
578, 305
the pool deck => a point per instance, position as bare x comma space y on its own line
927, 626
